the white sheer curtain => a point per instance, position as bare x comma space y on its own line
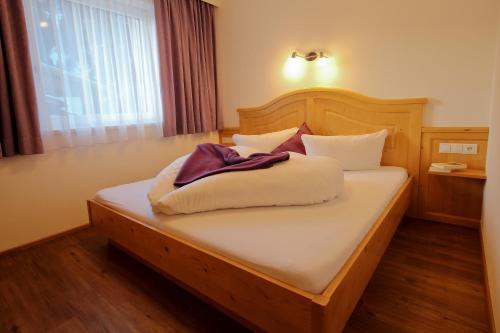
96, 70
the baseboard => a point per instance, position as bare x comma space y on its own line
44, 240
487, 285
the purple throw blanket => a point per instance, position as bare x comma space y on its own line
210, 159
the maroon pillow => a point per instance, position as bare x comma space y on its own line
295, 142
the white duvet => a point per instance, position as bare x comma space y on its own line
302, 180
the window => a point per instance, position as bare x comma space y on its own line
95, 63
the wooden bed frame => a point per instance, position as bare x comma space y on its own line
259, 300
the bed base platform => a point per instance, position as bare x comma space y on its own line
255, 299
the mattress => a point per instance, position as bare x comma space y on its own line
304, 246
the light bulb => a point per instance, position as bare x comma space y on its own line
294, 68
326, 70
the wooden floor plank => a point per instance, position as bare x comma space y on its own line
430, 280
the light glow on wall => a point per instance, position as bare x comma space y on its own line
326, 70
294, 68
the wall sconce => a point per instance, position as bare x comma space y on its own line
326, 70
311, 56
295, 66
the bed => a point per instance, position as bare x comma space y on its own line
293, 269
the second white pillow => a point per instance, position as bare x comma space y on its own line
355, 152
264, 143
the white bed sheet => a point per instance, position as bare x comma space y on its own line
304, 246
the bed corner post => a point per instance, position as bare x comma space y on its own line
319, 316
415, 149
89, 212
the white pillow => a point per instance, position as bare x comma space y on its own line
264, 143
355, 152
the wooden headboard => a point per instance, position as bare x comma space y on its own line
341, 112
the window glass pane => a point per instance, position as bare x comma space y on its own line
97, 62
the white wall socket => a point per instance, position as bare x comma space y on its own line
469, 148
458, 148
444, 148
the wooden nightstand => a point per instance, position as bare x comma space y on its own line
455, 197
467, 173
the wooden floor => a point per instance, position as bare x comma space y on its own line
430, 280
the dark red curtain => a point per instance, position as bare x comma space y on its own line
186, 41
19, 127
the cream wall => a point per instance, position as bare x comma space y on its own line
442, 49
42, 195
491, 211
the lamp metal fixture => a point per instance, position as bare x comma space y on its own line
310, 56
